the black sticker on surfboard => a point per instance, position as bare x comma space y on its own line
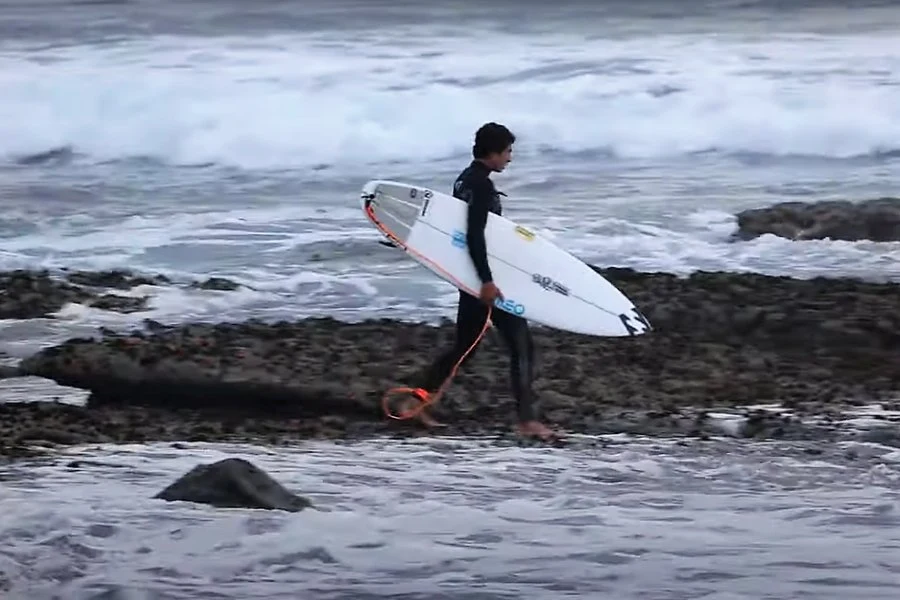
549, 284
639, 318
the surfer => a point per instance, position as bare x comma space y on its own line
491, 152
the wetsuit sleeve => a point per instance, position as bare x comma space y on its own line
476, 220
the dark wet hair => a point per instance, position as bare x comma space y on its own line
490, 138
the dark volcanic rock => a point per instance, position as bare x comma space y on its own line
877, 220
28, 295
116, 278
122, 304
33, 294
233, 483
719, 340
26, 424
217, 283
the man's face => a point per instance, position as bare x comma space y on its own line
499, 161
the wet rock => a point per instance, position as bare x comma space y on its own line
117, 278
719, 340
122, 304
34, 294
7, 372
233, 483
217, 283
28, 295
877, 220
25, 425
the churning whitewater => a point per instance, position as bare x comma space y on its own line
404, 94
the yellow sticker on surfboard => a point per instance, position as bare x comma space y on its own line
524, 233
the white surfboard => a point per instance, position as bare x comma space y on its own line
539, 280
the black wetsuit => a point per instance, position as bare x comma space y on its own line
475, 187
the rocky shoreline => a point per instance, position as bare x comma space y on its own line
721, 340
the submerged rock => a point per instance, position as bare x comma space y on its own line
217, 283
8, 372
116, 278
233, 483
877, 220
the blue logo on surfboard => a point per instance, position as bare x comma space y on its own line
458, 239
510, 305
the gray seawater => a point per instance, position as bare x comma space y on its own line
466, 519
231, 138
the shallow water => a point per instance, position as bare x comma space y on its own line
467, 519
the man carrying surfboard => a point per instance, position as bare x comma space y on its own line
491, 152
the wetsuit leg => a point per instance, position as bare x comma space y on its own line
517, 335
471, 314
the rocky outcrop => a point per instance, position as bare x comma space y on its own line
233, 483
719, 340
34, 294
876, 220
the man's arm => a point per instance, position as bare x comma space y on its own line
476, 220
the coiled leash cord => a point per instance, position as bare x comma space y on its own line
424, 397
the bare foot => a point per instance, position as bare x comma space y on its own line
536, 429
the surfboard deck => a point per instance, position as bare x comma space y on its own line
540, 281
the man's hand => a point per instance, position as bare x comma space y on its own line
490, 292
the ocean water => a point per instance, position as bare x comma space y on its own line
466, 519
202, 138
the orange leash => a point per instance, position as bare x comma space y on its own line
423, 396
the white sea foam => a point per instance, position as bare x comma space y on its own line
300, 101
354, 277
